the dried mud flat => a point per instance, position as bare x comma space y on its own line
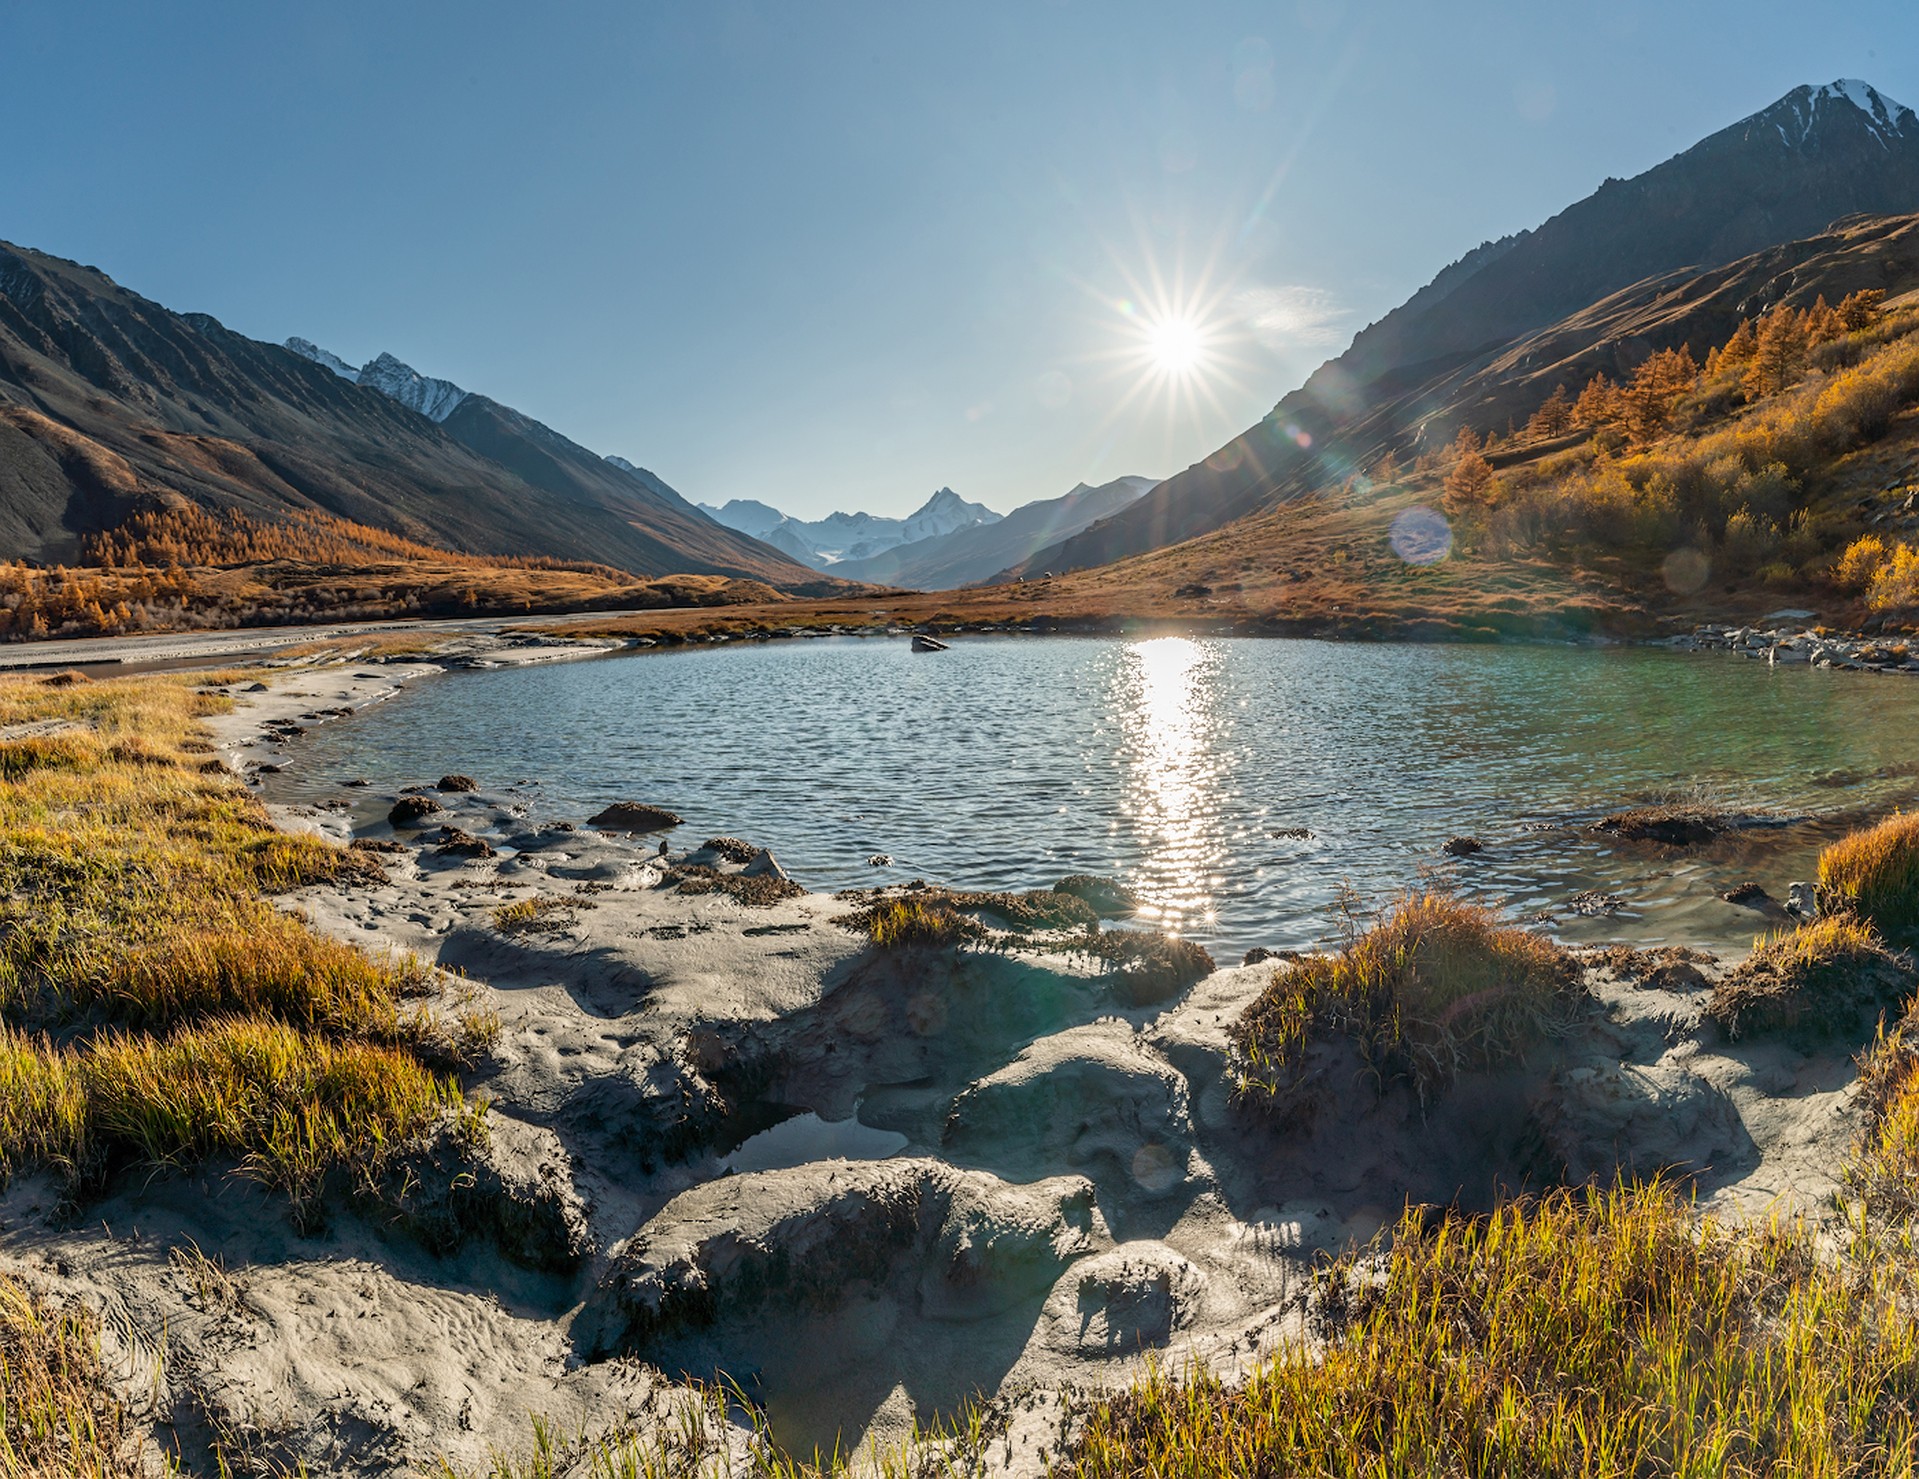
1050, 1181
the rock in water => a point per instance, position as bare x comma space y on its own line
634, 816
410, 811
457, 782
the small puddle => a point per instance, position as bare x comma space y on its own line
806, 1138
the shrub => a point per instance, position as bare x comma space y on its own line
1437, 986
1819, 978
1874, 874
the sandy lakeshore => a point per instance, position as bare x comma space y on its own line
868, 1186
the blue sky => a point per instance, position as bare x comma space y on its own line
834, 255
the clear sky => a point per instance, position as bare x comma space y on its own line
834, 255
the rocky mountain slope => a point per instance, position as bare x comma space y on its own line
111, 404
841, 537
1782, 175
977, 553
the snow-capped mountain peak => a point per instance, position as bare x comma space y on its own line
943, 513
1801, 112
434, 399
307, 349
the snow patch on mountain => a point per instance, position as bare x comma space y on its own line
434, 399
1800, 112
307, 349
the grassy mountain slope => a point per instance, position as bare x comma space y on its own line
1779, 176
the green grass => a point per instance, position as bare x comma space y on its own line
1596, 1335
1874, 873
1814, 980
1435, 987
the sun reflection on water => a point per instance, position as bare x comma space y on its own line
1166, 699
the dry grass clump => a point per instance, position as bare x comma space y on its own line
915, 923
200, 1021
1437, 986
542, 914
759, 890
1599, 1335
58, 1413
1817, 979
1874, 873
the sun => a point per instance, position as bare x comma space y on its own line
1177, 346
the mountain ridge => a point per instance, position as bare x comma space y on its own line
1740, 190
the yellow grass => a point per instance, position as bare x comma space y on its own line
1874, 873
1437, 986
1605, 1336
1817, 978
134, 912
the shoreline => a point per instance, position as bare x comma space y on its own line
1033, 1106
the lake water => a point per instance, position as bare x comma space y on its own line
1240, 785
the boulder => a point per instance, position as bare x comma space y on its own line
1609, 1121
953, 1244
1462, 847
634, 816
458, 783
1134, 1298
456, 842
764, 865
410, 811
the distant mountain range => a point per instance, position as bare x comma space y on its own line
837, 538
946, 542
978, 553
111, 404
1782, 175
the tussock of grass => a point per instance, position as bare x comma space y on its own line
203, 1023
1874, 873
58, 1414
915, 923
542, 914
1593, 1335
1151, 966
1437, 986
1816, 979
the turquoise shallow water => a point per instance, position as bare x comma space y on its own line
1184, 766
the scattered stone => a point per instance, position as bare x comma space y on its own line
1259, 955
410, 811
880, 860
1802, 899
1463, 847
359, 782
634, 816
456, 842
1749, 894
375, 844
457, 783
1292, 834
268, 769
1592, 903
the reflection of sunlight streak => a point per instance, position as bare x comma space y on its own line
1173, 773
